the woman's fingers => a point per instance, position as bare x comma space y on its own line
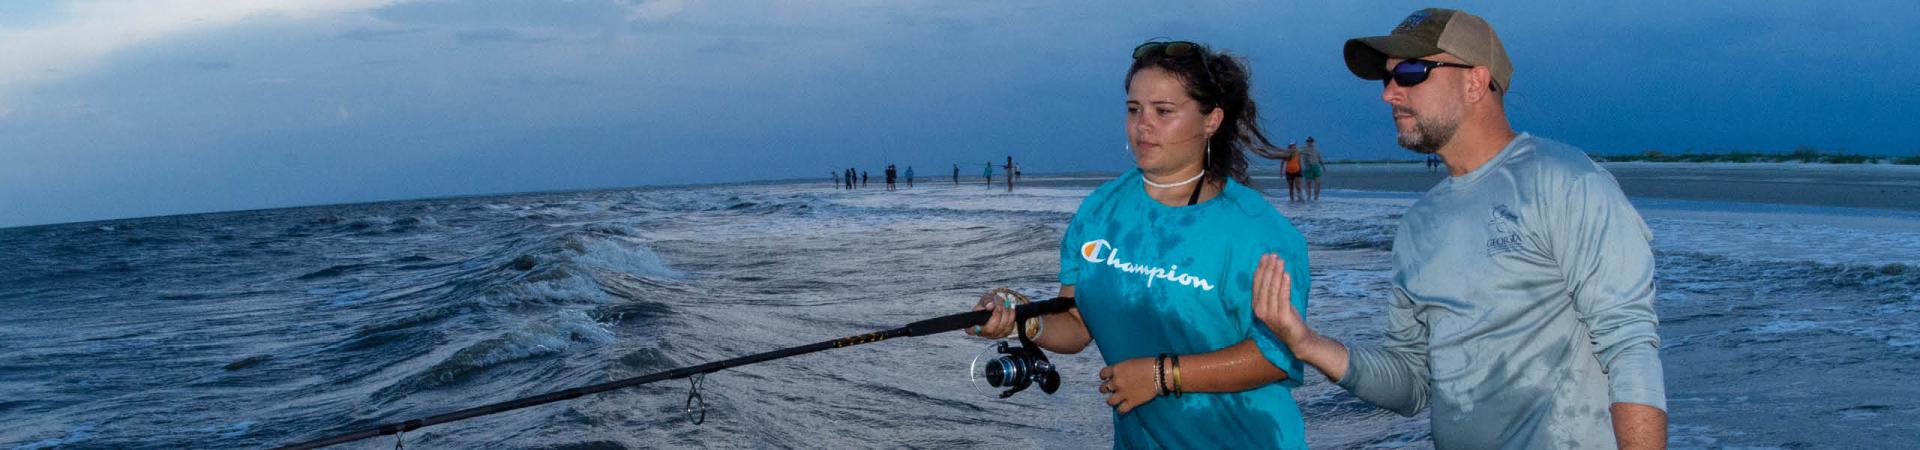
1107, 385
1130, 384
1000, 323
983, 303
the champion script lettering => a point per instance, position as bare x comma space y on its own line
1099, 251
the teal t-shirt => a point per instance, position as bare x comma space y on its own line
1151, 278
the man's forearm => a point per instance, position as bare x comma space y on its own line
1323, 353
1639, 427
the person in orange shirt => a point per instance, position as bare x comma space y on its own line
1293, 173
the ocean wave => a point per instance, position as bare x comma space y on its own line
365, 225
75, 436
1341, 233
611, 229
555, 334
413, 223
334, 271
629, 259
1703, 272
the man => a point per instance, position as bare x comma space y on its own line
1522, 301
909, 177
956, 173
1311, 169
891, 175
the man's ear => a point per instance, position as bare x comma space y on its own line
1478, 83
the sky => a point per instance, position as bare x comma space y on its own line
118, 109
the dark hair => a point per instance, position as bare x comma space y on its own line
1229, 87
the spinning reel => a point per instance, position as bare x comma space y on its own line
1015, 367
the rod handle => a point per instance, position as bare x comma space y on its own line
960, 321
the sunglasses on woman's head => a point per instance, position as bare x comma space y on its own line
1177, 49
1174, 49
1412, 72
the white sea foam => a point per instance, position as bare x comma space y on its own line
626, 257
556, 333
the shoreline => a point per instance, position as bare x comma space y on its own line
1874, 186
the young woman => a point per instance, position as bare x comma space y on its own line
1161, 263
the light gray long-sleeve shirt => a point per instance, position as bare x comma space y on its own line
1522, 306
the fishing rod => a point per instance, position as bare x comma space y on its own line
1019, 369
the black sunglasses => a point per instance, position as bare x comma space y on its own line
1412, 72
1177, 49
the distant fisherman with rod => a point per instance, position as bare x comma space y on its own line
1161, 263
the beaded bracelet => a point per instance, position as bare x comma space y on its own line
1160, 374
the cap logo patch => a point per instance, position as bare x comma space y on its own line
1413, 20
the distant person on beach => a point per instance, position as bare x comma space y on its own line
1009, 171
1293, 172
836, 179
1522, 301
863, 178
909, 177
1161, 263
1311, 168
890, 177
956, 173
1432, 161
850, 179
988, 174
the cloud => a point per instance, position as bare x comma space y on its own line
654, 10
370, 34
91, 31
492, 35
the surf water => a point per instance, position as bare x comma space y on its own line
1788, 327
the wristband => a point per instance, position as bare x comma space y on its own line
1177, 389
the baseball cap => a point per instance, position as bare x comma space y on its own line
1428, 32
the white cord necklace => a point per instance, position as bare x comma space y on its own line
1196, 177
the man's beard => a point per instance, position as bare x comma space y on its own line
1428, 135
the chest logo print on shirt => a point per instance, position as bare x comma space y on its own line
1099, 251
1504, 226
